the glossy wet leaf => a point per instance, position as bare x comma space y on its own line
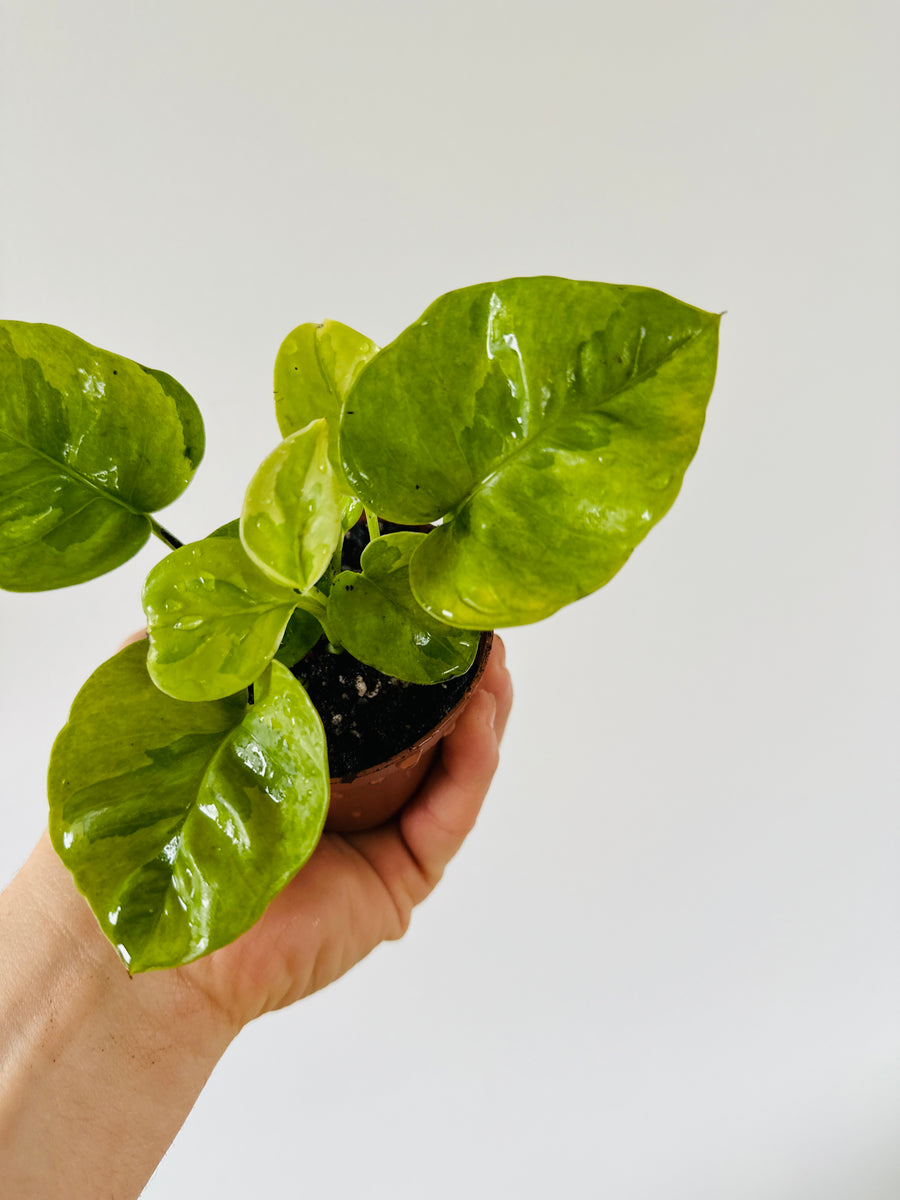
291, 519
351, 511
90, 443
215, 620
549, 421
375, 616
180, 822
314, 369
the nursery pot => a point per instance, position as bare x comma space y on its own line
375, 794
365, 798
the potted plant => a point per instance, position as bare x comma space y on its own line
521, 436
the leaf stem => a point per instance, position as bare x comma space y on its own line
164, 536
311, 603
337, 558
372, 522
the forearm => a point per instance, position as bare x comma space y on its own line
98, 1070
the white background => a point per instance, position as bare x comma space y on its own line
665, 965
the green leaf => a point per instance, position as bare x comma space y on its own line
315, 368
376, 618
231, 529
291, 520
215, 620
351, 512
90, 443
302, 633
188, 414
549, 421
180, 822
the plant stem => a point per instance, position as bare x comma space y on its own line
372, 522
336, 558
164, 536
311, 603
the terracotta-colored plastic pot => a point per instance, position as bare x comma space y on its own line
374, 795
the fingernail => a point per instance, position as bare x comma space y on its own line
492, 711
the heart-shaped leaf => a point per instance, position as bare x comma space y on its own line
549, 421
215, 620
291, 520
180, 822
314, 369
90, 443
375, 616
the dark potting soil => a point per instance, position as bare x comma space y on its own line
369, 717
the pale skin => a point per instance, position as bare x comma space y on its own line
98, 1070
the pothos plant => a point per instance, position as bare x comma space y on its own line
546, 424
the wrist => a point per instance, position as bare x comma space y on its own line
98, 1069
43, 910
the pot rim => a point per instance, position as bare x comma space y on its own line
415, 751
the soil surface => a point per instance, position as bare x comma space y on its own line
369, 717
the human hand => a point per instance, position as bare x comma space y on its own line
359, 889
125, 1058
